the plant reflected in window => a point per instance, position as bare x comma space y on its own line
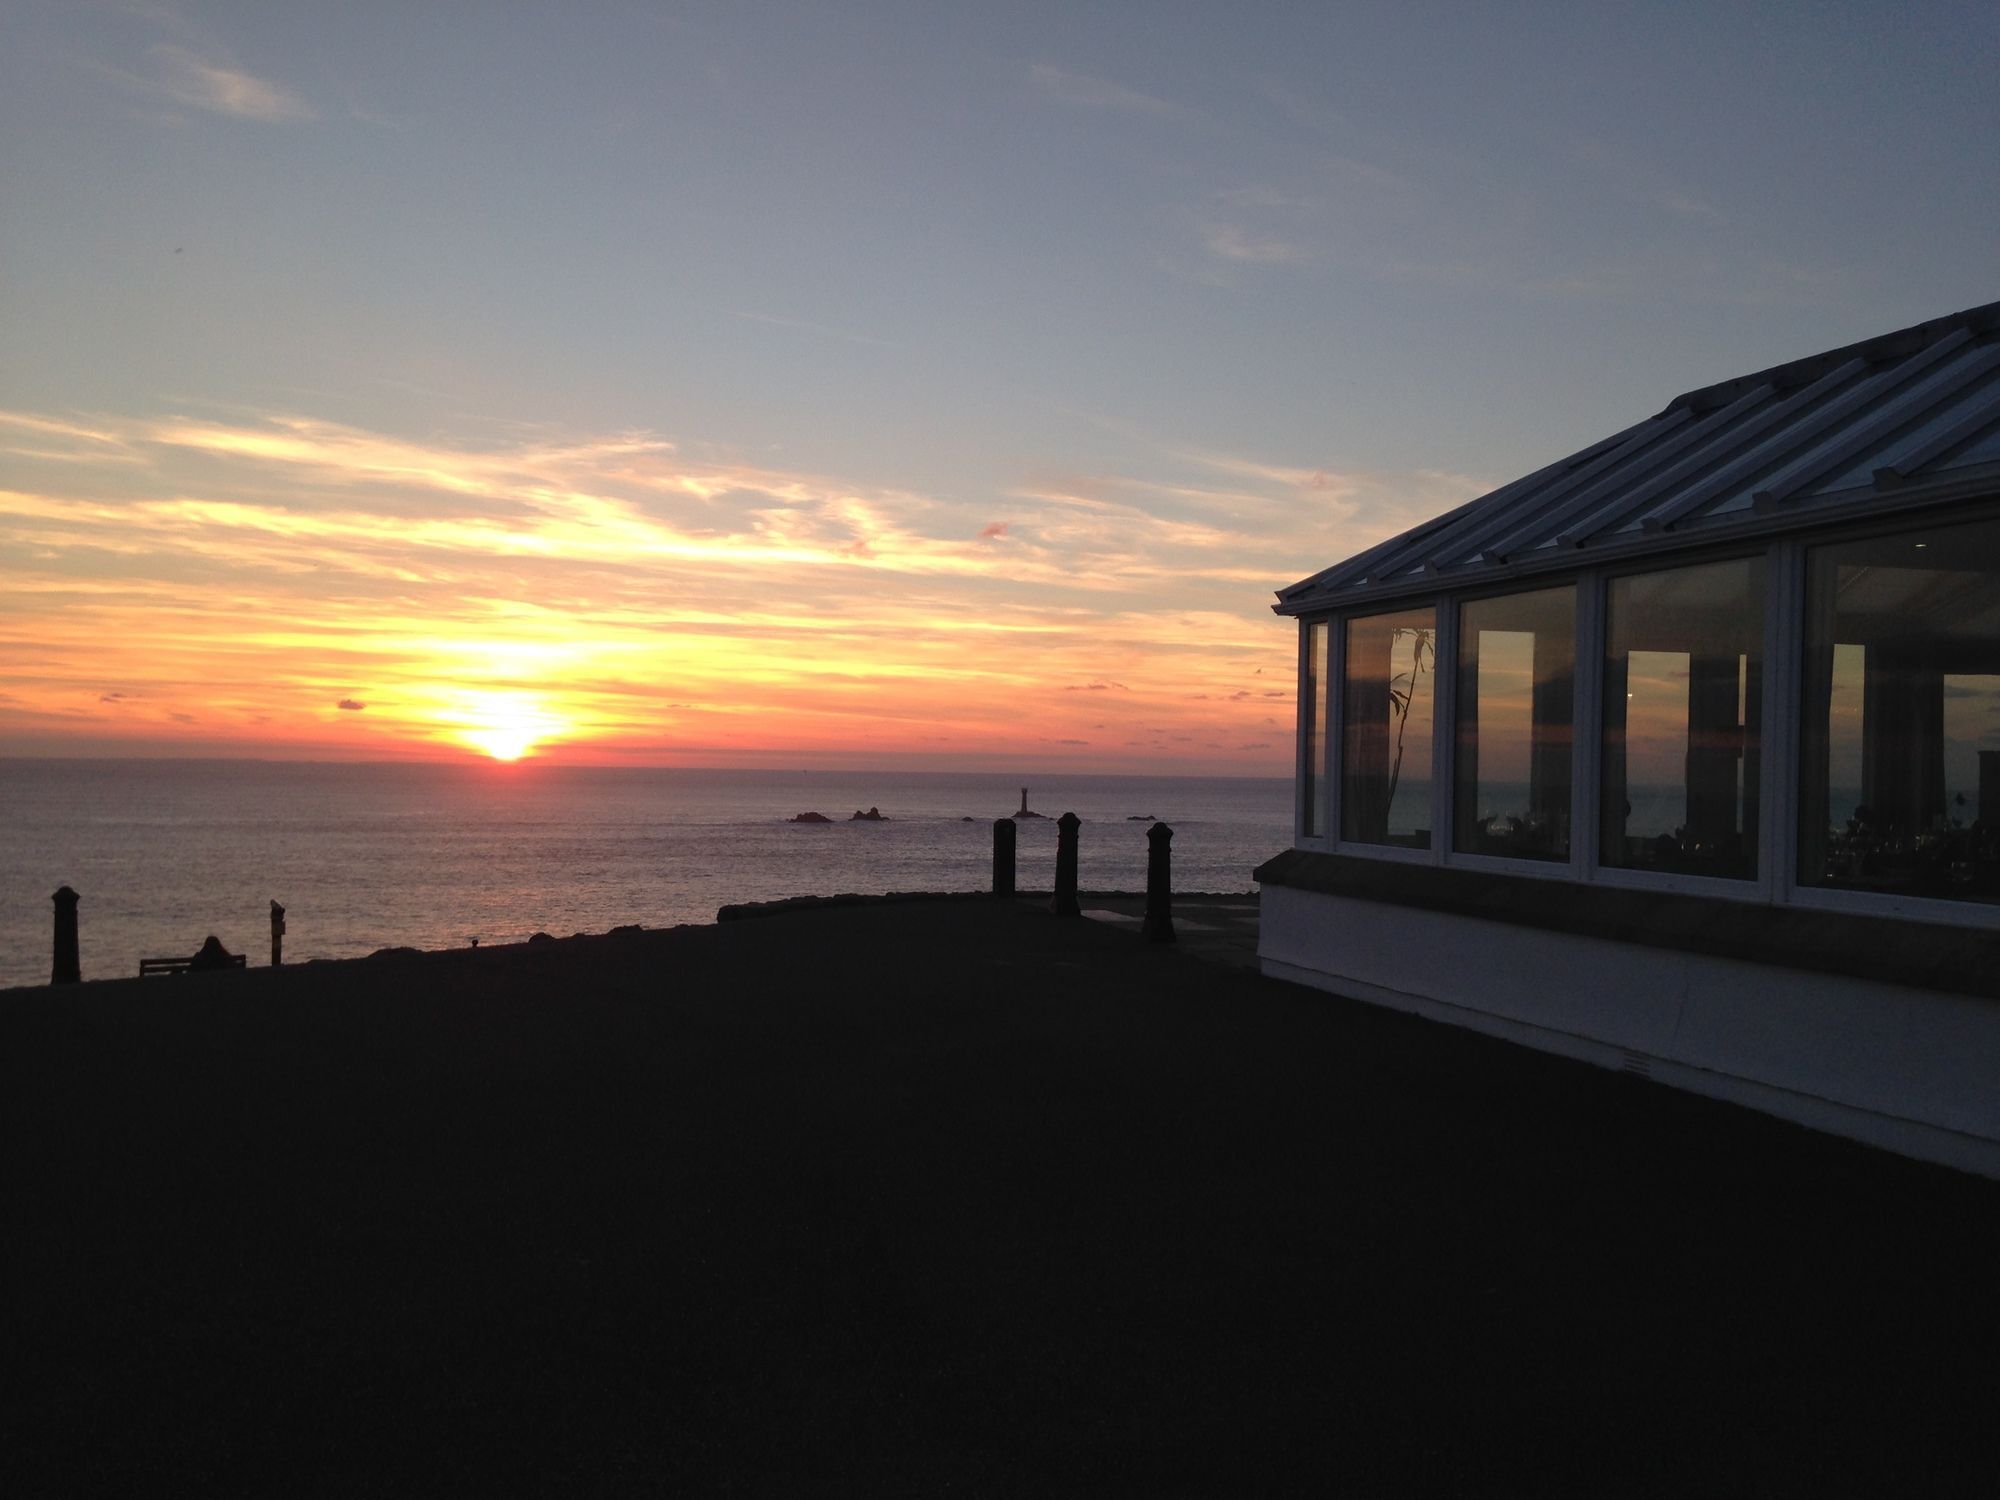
1388, 712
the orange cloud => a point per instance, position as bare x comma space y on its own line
616, 597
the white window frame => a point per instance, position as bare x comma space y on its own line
1776, 882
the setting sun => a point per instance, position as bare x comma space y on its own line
505, 726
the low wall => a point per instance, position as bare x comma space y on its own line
1909, 1069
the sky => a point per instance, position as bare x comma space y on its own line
897, 386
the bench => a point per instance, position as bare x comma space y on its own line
151, 966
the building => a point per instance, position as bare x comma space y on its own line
1682, 755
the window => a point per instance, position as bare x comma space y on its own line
1516, 703
1312, 732
1683, 694
1900, 739
1385, 785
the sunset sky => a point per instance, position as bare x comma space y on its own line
884, 385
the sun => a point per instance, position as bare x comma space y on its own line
506, 725
502, 744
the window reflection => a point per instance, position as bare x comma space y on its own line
1385, 787
1682, 697
1900, 780
1516, 695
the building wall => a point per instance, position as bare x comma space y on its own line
1908, 1069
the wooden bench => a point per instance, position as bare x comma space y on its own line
152, 966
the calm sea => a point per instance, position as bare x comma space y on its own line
372, 856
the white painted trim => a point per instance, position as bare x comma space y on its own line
1444, 723
1302, 717
1394, 852
1749, 892
1501, 864
1586, 831
1885, 904
1336, 725
1897, 1065
1911, 1138
1784, 708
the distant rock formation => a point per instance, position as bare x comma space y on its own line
1140, 818
873, 815
810, 817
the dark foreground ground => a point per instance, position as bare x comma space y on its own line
944, 1198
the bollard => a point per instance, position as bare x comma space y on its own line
66, 970
1065, 904
277, 936
1003, 856
1159, 924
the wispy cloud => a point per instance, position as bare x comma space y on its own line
1097, 93
1233, 242
620, 592
806, 325
187, 79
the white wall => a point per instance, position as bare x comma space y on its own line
1915, 1071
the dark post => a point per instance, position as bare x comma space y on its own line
1159, 925
277, 935
67, 969
1064, 904
1003, 856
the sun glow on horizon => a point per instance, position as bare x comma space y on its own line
283, 585
504, 725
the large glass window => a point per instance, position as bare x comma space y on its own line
1312, 732
1900, 738
1683, 673
1387, 712
1516, 703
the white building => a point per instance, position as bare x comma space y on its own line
1682, 755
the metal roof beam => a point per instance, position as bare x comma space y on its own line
1895, 412
1686, 456
1917, 460
1808, 430
1754, 447
1581, 469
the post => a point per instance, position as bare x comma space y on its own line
1065, 904
277, 936
67, 969
1003, 856
1159, 924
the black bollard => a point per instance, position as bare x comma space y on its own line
67, 969
1065, 904
1159, 924
277, 935
1003, 856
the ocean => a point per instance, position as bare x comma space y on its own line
165, 852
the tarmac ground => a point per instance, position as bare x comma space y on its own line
936, 1197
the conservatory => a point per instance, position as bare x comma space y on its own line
1682, 755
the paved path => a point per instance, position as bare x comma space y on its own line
927, 1198
1222, 929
